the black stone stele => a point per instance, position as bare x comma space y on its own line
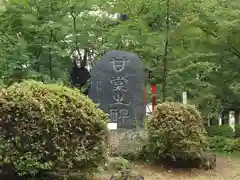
117, 84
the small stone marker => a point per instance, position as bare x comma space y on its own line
118, 86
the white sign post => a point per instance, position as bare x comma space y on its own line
232, 119
112, 126
184, 97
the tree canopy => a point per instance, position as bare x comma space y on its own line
190, 46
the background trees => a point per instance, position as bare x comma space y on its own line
189, 46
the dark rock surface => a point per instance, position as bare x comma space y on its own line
117, 84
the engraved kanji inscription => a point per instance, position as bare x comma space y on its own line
123, 114
119, 99
99, 88
114, 115
119, 63
119, 83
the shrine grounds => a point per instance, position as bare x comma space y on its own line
228, 168
40, 138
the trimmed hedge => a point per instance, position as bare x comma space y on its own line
222, 144
222, 130
237, 131
175, 131
236, 145
50, 127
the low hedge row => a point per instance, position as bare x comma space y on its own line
224, 131
223, 144
237, 130
223, 138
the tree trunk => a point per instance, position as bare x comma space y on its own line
165, 68
50, 57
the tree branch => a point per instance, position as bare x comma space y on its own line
231, 49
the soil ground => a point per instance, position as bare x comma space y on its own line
228, 168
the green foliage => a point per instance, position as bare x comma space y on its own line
221, 144
127, 144
86, 86
236, 145
118, 163
50, 127
237, 130
41, 36
175, 131
132, 150
202, 59
223, 130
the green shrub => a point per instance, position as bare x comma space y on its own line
225, 145
237, 131
175, 131
50, 127
236, 145
130, 149
222, 130
118, 163
221, 144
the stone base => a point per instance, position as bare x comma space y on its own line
122, 140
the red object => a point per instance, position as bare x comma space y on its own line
154, 91
145, 96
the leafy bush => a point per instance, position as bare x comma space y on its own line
130, 146
237, 131
49, 127
236, 145
222, 130
118, 163
175, 131
221, 144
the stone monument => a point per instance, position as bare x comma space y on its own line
117, 85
